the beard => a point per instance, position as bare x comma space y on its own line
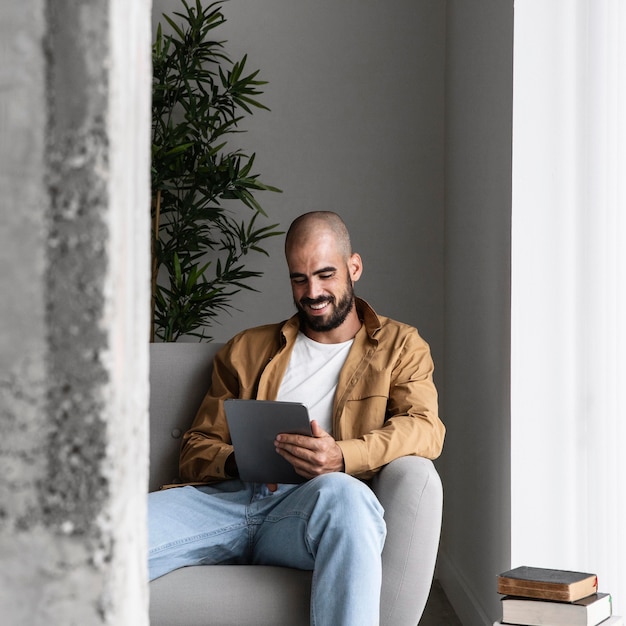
334, 319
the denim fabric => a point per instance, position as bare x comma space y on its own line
332, 525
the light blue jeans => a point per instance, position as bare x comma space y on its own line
332, 525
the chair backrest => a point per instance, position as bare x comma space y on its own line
180, 376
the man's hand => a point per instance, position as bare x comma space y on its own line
311, 456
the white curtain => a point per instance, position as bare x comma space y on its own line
568, 411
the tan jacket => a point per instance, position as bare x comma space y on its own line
385, 405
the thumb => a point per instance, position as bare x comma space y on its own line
317, 430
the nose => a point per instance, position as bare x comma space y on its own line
313, 290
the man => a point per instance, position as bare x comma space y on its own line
367, 382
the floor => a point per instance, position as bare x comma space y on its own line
438, 611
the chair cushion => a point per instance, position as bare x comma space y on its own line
231, 595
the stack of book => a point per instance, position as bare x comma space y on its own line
535, 596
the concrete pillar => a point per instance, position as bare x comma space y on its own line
74, 310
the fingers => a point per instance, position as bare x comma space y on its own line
303, 467
318, 455
304, 441
300, 444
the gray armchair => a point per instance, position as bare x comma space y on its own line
409, 489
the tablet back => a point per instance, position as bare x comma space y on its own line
253, 426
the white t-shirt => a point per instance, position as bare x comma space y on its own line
312, 375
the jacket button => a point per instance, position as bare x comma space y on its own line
176, 433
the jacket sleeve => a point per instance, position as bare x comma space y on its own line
401, 420
206, 445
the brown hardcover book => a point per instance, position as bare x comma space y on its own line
547, 584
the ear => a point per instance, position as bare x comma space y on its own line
355, 267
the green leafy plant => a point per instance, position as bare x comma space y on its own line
199, 96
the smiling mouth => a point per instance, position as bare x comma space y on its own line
316, 306
319, 307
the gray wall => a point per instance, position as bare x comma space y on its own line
356, 93
476, 465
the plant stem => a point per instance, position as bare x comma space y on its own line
155, 267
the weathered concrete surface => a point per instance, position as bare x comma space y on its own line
77, 263
74, 255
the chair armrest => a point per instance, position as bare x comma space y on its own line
411, 493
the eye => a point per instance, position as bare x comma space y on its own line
327, 275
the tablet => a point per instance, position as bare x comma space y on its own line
253, 426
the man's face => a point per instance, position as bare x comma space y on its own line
321, 283
336, 308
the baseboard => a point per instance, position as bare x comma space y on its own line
460, 594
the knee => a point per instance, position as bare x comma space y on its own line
341, 484
350, 501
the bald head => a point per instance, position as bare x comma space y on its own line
322, 271
312, 225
